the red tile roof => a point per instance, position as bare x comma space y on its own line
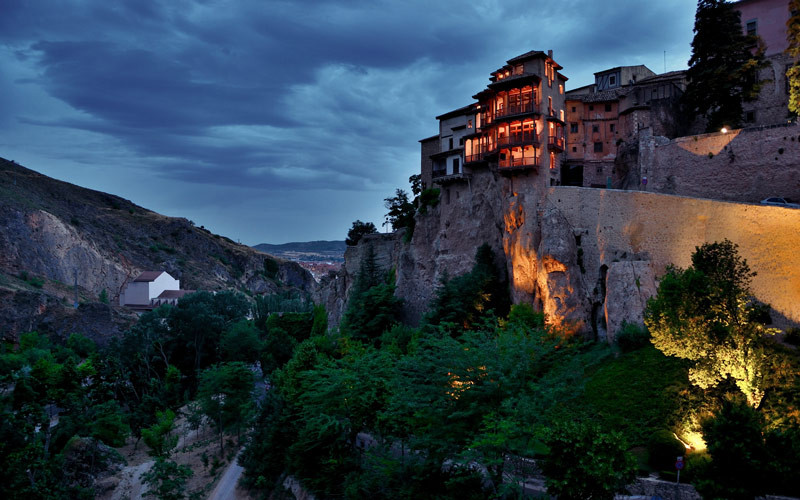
149, 276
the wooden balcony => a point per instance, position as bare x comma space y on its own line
555, 143
517, 109
522, 138
514, 165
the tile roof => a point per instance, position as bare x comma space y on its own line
174, 294
149, 276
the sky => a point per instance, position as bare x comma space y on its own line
276, 121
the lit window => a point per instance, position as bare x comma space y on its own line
560, 88
561, 114
552, 160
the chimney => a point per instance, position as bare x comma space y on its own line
550, 53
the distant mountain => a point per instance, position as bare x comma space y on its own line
53, 233
307, 251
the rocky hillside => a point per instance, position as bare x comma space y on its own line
55, 233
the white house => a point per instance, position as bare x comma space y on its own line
146, 287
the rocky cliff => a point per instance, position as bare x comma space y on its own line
55, 234
588, 258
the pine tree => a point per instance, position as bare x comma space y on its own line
723, 68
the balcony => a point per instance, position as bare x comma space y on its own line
441, 177
522, 163
555, 143
529, 137
517, 109
476, 158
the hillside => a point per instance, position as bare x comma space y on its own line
55, 233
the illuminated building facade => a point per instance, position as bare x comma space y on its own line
515, 127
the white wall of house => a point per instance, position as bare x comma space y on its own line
141, 292
163, 282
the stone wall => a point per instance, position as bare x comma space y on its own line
745, 165
660, 229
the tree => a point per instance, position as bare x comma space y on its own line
166, 480
705, 314
158, 437
401, 211
793, 50
723, 68
739, 457
586, 463
358, 230
226, 397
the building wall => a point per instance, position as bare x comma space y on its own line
664, 229
427, 148
771, 17
743, 165
163, 282
136, 292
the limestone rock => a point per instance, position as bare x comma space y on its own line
628, 287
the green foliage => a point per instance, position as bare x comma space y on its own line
793, 50
632, 336
158, 437
463, 300
166, 480
644, 379
401, 212
372, 308
103, 297
524, 315
703, 314
359, 229
586, 463
428, 198
271, 268
723, 65
240, 342
225, 397
739, 457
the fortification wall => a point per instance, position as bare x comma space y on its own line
664, 229
745, 165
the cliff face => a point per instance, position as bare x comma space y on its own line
54, 234
588, 258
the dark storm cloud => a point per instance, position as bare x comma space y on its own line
287, 95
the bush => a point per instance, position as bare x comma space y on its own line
792, 336
358, 230
663, 448
428, 198
631, 337
585, 462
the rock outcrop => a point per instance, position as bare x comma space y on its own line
55, 235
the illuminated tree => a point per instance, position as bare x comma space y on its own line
793, 37
723, 68
706, 314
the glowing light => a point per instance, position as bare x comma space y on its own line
724, 130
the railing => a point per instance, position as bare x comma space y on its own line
520, 138
519, 162
516, 109
439, 173
555, 142
473, 158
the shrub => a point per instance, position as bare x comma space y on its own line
792, 336
663, 448
632, 336
428, 198
358, 230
